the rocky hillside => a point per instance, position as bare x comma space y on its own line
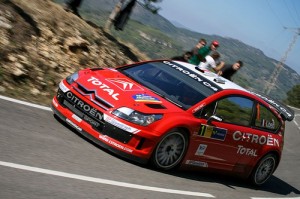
41, 43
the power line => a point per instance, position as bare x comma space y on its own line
275, 13
288, 9
273, 78
296, 11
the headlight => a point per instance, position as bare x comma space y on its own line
70, 79
136, 117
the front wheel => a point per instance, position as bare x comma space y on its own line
170, 150
264, 169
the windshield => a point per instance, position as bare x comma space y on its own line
175, 83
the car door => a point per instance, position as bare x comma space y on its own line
221, 124
263, 135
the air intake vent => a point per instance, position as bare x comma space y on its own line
156, 106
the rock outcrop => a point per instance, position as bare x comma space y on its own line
41, 43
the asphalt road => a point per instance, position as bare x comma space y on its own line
41, 158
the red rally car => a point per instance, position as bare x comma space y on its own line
170, 114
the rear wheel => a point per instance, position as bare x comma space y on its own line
264, 169
170, 150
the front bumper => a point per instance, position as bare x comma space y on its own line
123, 147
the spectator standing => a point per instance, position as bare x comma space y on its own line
212, 63
202, 52
230, 69
202, 42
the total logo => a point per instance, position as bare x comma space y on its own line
125, 84
122, 83
104, 87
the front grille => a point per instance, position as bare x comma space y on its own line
96, 124
77, 106
83, 110
116, 133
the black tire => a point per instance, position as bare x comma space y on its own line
264, 169
170, 150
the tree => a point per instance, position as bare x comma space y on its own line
293, 96
117, 14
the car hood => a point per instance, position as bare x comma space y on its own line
109, 88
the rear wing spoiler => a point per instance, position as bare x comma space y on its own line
285, 112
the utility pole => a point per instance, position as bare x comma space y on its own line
273, 78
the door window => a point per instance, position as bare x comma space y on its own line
233, 109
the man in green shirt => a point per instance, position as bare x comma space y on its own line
202, 52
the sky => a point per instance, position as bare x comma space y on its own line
258, 23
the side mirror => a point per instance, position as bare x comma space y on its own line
214, 118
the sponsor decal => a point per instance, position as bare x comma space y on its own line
86, 108
246, 151
212, 132
201, 149
74, 125
145, 98
198, 108
191, 75
120, 124
196, 163
104, 87
106, 139
91, 121
125, 84
63, 87
268, 124
75, 117
257, 139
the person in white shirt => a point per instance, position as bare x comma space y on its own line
212, 63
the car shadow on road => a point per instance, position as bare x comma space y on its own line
273, 185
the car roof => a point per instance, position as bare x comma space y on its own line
213, 77
284, 111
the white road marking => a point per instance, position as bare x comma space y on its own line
297, 124
292, 107
103, 181
296, 115
25, 103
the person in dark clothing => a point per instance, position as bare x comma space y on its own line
185, 57
230, 69
123, 16
73, 5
